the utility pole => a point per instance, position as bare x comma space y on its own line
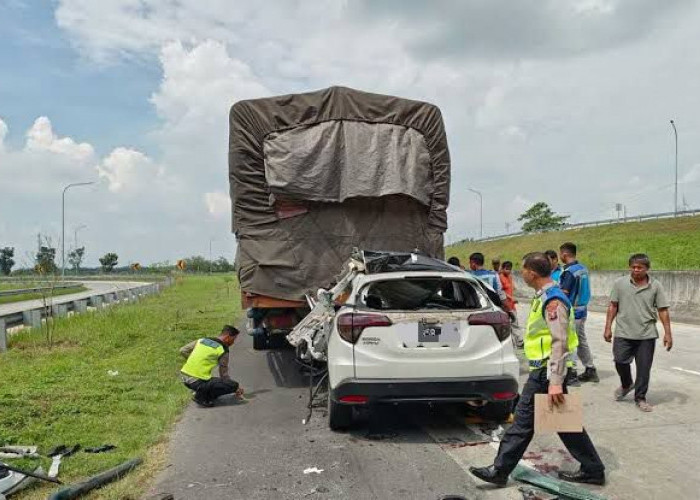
210, 240
675, 192
63, 223
481, 212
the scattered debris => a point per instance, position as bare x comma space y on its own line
38, 475
13, 482
100, 449
497, 434
561, 488
313, 470
58, 454
112, 373
536, 494
18, 452
77, 490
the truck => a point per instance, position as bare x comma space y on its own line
315, 176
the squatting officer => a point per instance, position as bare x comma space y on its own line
202, 356
549, 337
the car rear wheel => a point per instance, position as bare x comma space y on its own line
339, 416
497, 412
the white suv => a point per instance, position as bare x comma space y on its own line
431, 335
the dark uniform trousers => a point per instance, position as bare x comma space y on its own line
209, 390
518, 436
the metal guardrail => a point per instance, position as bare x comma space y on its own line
60, 307
38, 289
579, 225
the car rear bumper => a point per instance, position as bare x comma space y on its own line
492, 389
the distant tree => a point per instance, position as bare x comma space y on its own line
75, 258
6, 260
46, 260
197, 264
221, 265
539, 217
109, 261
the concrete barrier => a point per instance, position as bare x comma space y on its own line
59, 310
32, 318
681, 287
80, 306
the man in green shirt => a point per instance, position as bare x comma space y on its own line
635, 302
202, 356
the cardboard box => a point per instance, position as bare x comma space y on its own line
561, 418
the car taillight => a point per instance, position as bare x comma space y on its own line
354, 399
499, 320
504, 396
350, 325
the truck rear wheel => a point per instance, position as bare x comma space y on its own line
339, 416
260, 342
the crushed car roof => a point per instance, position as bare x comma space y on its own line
386, 262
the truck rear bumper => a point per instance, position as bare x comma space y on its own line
367, 391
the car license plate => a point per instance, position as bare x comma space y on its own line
429, 332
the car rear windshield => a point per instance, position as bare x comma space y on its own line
422, 293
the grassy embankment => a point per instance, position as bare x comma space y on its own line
64, 395
670, 243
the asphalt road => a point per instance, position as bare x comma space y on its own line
260, 448
93, 288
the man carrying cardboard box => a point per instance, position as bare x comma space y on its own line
550, 336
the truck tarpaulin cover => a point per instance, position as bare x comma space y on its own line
314, 175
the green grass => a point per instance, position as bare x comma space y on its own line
18, 285
31, 296
63, 395
670, 243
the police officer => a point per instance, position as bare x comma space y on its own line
549, 336
202, 356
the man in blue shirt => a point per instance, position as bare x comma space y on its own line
575, 282
554, 262
476, 267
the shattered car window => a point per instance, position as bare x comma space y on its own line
422, 293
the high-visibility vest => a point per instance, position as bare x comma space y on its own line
203, 359
538, 337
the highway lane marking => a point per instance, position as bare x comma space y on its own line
686, 371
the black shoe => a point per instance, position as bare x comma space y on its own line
490, 474
590, 375
203, 403
572, 378
581, 476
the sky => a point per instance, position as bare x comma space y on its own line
562, 101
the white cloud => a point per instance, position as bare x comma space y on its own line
218, 204
128, 170
199, 85
41, 137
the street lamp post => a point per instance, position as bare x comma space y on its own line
675, 192
481, 212
63, 223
